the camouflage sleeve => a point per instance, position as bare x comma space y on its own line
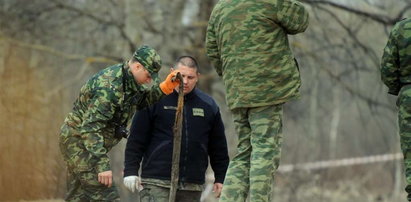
212, 48
390, 64
292, 16
100, 111
151, 96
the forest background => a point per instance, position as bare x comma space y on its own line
49, 48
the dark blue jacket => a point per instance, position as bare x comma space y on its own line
151, 139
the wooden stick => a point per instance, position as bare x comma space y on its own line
177, 132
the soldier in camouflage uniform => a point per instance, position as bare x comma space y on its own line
103, 108
396, 74
247, 42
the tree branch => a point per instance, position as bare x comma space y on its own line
118, 26
382, 19
352, 35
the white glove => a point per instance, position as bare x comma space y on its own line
132, 183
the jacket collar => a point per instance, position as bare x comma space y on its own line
131, 84
188, 96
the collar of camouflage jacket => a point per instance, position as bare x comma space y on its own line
131, 84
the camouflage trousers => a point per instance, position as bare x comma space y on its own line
82, 179
84, 186
251, 171
152, 193
404, 122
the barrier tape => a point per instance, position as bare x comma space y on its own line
341, 162
333, 163
320, 165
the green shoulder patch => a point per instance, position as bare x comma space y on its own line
198, 112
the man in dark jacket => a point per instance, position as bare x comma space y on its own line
151, 139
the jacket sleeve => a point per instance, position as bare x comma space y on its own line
292, 16
212, 49
390, 73
100, 111
137, 142
218, 151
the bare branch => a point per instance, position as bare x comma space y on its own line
385, 20
351, 34
352, 91
68, 56
120, 26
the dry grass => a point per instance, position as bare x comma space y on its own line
30, 166
49, 200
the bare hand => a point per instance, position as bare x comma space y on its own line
217, 189
106, 178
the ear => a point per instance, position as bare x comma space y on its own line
171, 69
134, 66
138, 65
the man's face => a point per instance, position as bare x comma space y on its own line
190, 77
140, 74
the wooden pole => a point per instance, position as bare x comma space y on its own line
177, 132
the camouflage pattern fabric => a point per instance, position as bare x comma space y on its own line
247, 42
84, 186
396, 74
251, 171
152, 193
87, 134
166, 184
396, 60
404, 122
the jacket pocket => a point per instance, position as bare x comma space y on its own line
159, 150
204, 156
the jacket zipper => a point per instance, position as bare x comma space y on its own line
186, 146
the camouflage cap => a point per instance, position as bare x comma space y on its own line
149, 58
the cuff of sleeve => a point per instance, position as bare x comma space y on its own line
219, 179
130, 172
219, 70
103, 165
158, 88
394, 91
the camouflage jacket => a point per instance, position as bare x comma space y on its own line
101, 106
247, 42
396, 60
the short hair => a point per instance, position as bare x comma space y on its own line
187, 61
